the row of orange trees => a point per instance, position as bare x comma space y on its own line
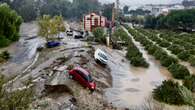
133, 53
170, 91
183, 49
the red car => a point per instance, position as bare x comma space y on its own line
83, 77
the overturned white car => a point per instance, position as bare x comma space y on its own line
101, 57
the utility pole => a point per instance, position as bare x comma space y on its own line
117, 9
111, 25
113, 12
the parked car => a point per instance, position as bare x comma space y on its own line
78, 36
83, 77
69, 33
52, 44
101, 56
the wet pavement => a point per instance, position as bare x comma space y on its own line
24, 51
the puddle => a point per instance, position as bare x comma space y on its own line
131, 85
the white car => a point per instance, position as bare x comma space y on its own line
101, 56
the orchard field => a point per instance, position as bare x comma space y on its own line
176, 52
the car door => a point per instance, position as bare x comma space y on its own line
83, 80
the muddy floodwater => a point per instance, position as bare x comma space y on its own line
131, 85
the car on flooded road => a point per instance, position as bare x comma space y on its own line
52, 44
83, 77
101, 57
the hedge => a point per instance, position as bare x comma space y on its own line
4, 42
168, 92
192, 60
189, 82
139, 61
175, 49
159, 53
184, 55
164, 44
135, 56
179, 71
166, 60
133, 53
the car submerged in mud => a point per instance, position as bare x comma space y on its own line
101, 57
83, 77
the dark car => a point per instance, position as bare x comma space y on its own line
78, 36
83, 77
69, 33
52, 44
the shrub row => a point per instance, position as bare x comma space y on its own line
182, 49
120, 35
133, 53
179, 39
179, 71
153, 37
135, 56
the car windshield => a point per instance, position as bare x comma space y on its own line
103, 56
90, 78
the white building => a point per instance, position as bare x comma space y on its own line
162, 8
188, 4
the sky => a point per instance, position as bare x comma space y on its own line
141, 2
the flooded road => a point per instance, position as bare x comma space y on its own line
131, 85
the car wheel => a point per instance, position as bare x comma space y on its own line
70, 76
92, 90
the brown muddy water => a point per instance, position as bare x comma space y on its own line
132, 86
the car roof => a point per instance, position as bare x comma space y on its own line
101, 51
82, 70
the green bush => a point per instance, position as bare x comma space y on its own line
121, 35
139, 61
167, 60
3, 41
5, 55
159, 53
132, 51
179, 71
192, 51
152, 49
192, 60
175, 49
168, 92
164, 44
9, 26
184, 55
99, 35
189, 82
